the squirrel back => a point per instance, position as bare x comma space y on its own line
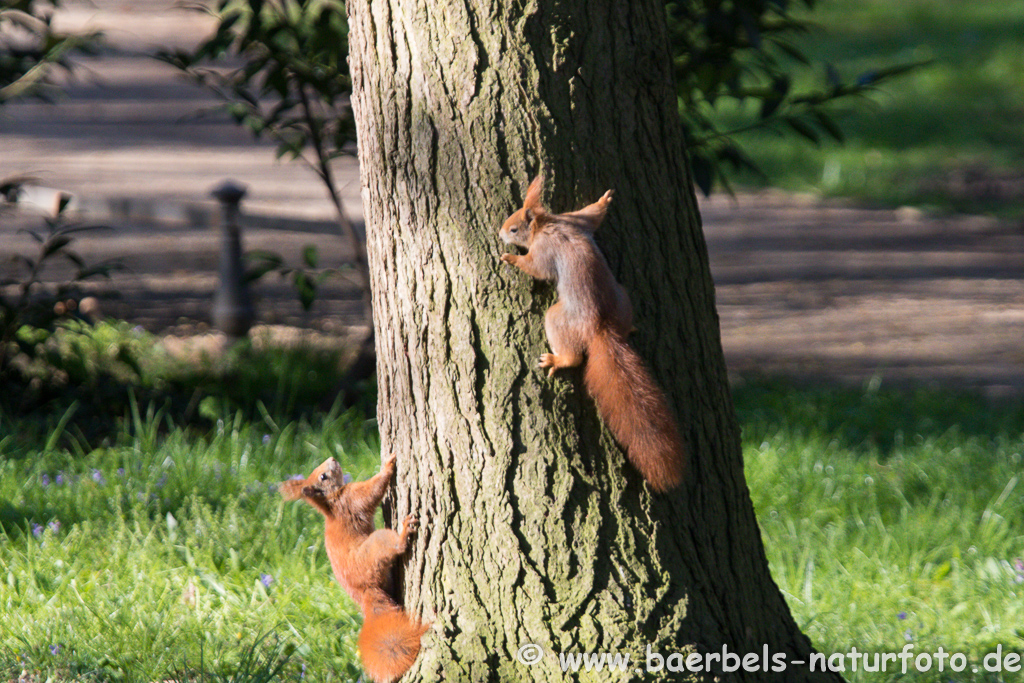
361, 558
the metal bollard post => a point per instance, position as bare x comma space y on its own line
232, 309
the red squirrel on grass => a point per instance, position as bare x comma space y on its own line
592, 318
361, 558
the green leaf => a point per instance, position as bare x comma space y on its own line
103, 269
829, 126
803, 129
792, 51
211, 408
306, 289
262, 255
311, 256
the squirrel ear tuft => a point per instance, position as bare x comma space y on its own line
533, 192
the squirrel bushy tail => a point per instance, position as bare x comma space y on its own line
634, 409
389, 641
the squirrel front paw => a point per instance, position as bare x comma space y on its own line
509, 258
606, 198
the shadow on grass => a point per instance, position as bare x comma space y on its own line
14, 521
83, 396
873, 419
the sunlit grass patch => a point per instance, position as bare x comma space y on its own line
130, 562
892, 518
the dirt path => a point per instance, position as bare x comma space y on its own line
806, 289
826, 292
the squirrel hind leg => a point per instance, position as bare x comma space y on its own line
568, 337
557, 361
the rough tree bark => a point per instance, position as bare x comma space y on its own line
535, 528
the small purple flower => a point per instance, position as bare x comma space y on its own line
1018, 564
901, 616
303, 674
45, 480
120, 471
97, 477
54, 526
60, 479
295, 477
266, 439
908, 635
161, 482
37, 530
266, 580
55, 649
346, 478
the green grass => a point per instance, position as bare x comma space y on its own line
161, 550
960, 114
107, 370
141, 535
132, 559
892, 518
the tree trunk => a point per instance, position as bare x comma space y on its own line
535, 529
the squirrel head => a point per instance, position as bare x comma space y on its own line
519, 228
320, 489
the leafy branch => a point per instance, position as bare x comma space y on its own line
746, 51
306, 279
31, 51
292, 85
25, 303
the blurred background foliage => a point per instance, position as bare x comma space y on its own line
916, 102
33, 52
747, 57
945, 136
280, 67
